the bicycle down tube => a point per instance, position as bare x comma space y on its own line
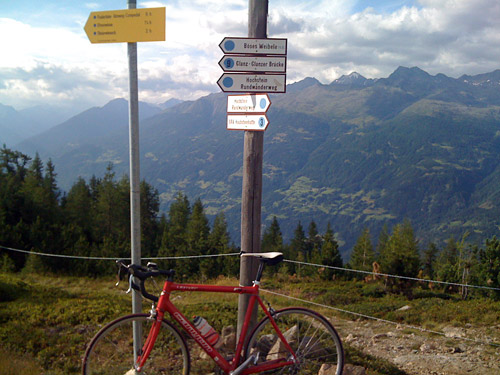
165, 305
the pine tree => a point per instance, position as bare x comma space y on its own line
296, 250
489, 265
218, 241
429, 260
330, 254
78, 207
32, 191
313, 243
197, 232
14, 207
363, 255
272, 240
112, 215
401, 256
383, 239
50, 186
150, 205
178, 215
447, 269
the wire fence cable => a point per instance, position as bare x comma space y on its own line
295, 298
113, 258
233, 254
394, 276
421, 329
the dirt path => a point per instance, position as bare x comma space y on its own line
420, 353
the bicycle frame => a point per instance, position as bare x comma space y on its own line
166, 306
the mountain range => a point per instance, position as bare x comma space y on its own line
16, 126
356, 153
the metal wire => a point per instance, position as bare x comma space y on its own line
380, 320
389, 275
233, 254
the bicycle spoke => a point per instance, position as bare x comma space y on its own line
112, 349
312, 338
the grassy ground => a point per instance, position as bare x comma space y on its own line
46, 321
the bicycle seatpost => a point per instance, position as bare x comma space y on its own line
259, 273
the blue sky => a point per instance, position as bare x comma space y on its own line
48, 59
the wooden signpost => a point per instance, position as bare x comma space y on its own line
253, 65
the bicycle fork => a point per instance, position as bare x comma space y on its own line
150, 341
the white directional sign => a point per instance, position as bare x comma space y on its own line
247, 122
267, 46
256, 103
236, 63
252, 83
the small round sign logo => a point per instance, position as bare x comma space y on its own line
228, 82
229, 45
263, 103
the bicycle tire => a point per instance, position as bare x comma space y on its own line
311, 336
111, 350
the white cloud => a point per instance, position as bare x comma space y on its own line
449, 36
326, 38
51, 64
92, 5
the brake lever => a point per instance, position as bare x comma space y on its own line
129, 284
118, 277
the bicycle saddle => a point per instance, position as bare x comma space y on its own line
270, 258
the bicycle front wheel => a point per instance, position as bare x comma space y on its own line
313, 339
111, 351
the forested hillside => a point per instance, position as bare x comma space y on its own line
356, 153
93, 220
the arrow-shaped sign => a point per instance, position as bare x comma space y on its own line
127, 25
269, 46
236, 63
247, 122
248, 103
252, 83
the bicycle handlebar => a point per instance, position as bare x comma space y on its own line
142, 273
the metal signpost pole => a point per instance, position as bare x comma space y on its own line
129, 26
251, 198
135, 215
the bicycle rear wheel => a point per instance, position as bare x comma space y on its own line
111, 351
313, 339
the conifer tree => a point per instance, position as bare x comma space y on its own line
330, 254
383, 239
179, 213
489, 265
13, 169
50, 185
272, 240
447, 269
429, 260
78, 207
218, 243
363, 255
313, 242
113, 215
296, 250
401, 256
197, 232
150, 205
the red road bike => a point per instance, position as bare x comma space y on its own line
287, 341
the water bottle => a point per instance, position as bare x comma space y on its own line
207, 331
